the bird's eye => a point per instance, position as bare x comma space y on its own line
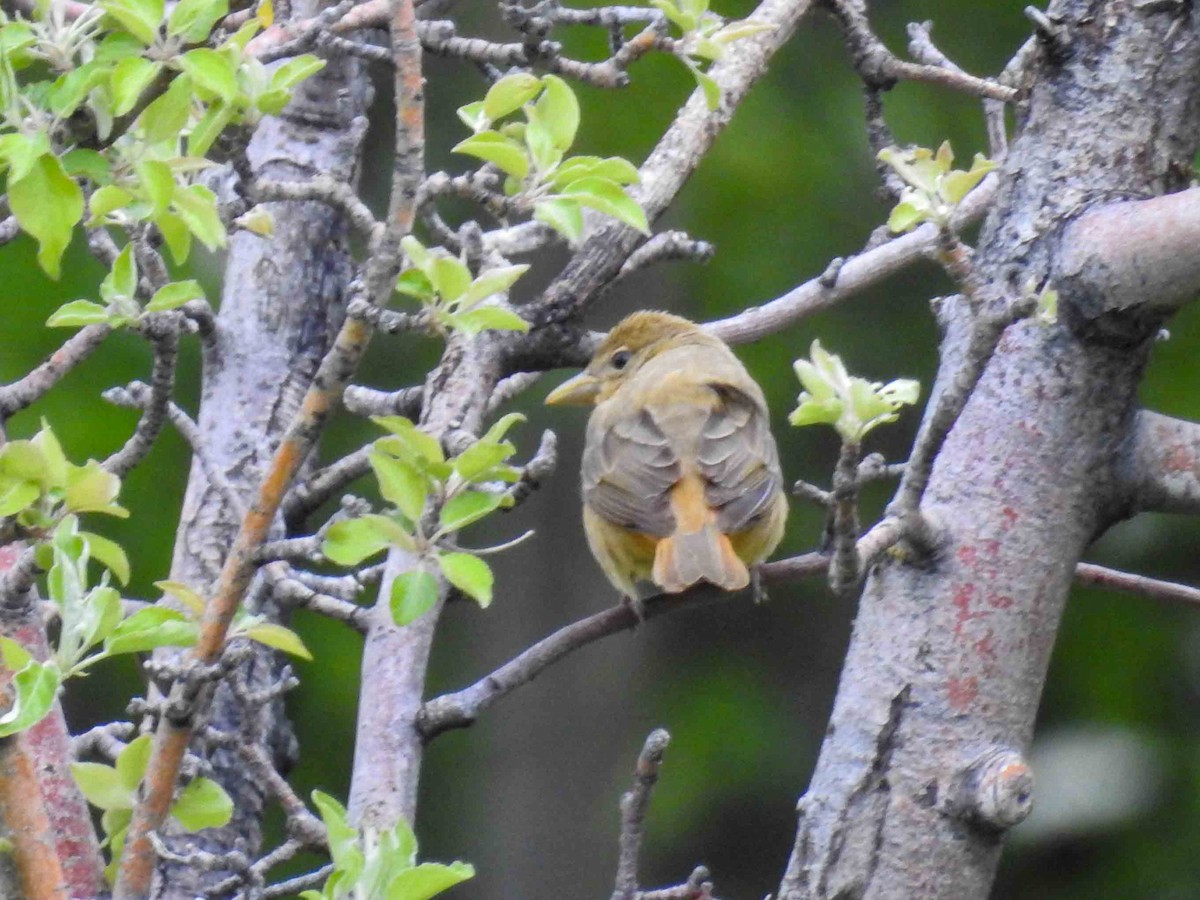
620, 359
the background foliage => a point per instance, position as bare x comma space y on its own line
529, 795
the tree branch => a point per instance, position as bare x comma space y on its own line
462, 708
1160, 465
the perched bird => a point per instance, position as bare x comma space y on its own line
681, 479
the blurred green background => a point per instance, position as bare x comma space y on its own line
529, 795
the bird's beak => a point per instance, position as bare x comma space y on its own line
578, 391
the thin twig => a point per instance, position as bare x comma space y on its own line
461, 708
1142, 585
165, 338
18, 395
856, 274
634, 804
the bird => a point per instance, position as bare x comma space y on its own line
680, 472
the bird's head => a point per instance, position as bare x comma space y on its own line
633, 342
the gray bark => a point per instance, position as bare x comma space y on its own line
283, 301
921, 770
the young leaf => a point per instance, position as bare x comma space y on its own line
413, 595
101, 785
510, 93
350, 541
277, 636
557, 110
401, 484
428, 880
449, 277
132, 762
185, 595
467, 507
197, 207
193, 20
167, 115
32, 690
174, 295
154, 626
78, 313
609, 198
294, 71
469, 574
211, 71
47, 204
564, 216
203, 804
107, 199
491, 146
109, 553
484, 318
130, 77
493, 281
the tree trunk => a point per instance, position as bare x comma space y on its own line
283, 302
921, 772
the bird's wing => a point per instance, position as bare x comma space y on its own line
629, 467
736, 455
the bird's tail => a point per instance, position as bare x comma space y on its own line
683, 559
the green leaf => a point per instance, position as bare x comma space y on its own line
401, 484
491, 146
47, 204
564, 216
88, 163
132, 763
502, 426
274, 635
480, 457
473, 117
121, 281
469, 574
420, 445
167, 115
193, 20
158, 181
413, 595
140, 18
467, 507
449, 276
154, 626
211, 71
20, 152
78, 313
109, 553
905, 215
101, 785
493, 281
177, 236
174, 295
557, 110
510, 93
350, 541
294, 71
32, 689
485, 318
816, 412
614, 169
414, 283
197, 207
205, 132
744, 28
708, 84
130, 77
92, 488
17, 496
344, 849
610, 198
108, 199
185, 595
428, 880
203, 804
542, 150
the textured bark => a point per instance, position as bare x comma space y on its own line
283, 301
921, 773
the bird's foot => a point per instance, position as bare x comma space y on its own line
635, 606
758, 590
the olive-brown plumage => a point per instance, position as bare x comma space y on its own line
681, 479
